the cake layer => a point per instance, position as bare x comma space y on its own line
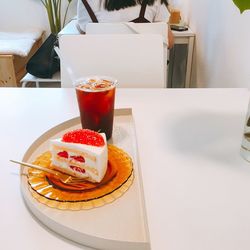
80, 160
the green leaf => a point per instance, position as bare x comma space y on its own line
242, 4
55, 15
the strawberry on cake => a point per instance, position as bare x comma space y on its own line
82, 153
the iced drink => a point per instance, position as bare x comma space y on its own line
175, 16
96, 97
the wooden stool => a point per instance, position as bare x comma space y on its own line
13, 67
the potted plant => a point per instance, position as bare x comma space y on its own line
242, 4
55, 16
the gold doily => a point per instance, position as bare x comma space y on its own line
50, 191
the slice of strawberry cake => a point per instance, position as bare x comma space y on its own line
82, 153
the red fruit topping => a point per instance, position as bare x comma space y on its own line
78, 158
63, 154
75, 168
84, 136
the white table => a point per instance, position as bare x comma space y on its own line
196, 184
185, 37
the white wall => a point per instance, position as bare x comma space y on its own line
22, 14
222, 50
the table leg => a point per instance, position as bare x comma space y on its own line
189, 61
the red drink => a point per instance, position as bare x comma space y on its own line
96, 96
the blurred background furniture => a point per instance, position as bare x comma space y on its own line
128, 28
16, 48
134, 60
159, 28
179, 70
30, 79
181, 59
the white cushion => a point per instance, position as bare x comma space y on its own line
18, 43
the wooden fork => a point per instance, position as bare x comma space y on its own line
65, 178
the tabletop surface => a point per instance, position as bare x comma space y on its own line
196, 185
186, 33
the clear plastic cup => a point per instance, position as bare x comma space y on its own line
96, 98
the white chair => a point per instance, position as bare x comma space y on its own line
129, 28
134, 60
133, 28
